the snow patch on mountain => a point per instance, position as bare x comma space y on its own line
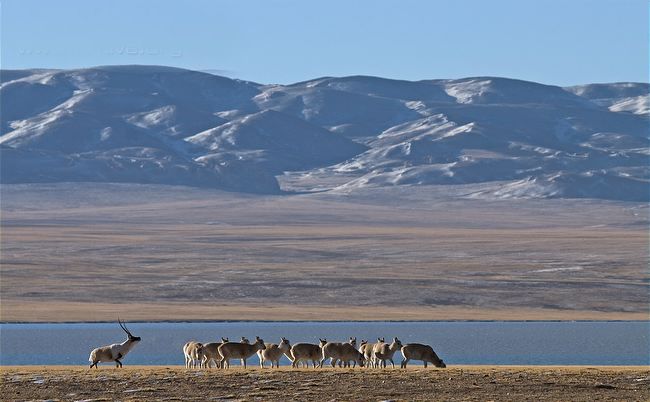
626, 97
277, 141
636, 105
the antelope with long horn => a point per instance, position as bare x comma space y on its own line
116, 351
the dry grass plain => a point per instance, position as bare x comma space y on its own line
84, 252
466, 383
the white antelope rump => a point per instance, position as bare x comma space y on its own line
384, 351
232, 350
193, 352
273, 352
114, 352
416, 351
366, 349
307, 352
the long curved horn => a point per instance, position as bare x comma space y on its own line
123, 326
127, 330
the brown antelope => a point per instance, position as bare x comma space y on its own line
232, 350
342, 352
384, 351
346, 363
211, 354
307, 352
273, 352
416, 351
114, 352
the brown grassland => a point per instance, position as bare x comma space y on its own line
458, 383
90, 252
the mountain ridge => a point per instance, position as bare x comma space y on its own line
167, 125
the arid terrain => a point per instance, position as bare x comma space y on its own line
466, 383
86, 252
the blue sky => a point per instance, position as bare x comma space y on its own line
562, 42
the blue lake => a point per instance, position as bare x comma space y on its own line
536, 343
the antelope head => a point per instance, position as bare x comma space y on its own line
260, 343
128, 333
284, 344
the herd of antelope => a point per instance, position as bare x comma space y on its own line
343, 354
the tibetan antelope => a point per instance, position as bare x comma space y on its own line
307, 352
416, 351
232, 350
211, 353
114, 352
193, 352
367, 351
273, 352
384, 351
342, 352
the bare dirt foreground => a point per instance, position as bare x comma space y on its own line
484, 383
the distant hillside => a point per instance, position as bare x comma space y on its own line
152, 124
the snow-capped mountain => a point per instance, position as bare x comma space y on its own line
150, 124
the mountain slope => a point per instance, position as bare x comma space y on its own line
618, 97
153, 124
276, 142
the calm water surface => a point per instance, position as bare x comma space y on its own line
538, 343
